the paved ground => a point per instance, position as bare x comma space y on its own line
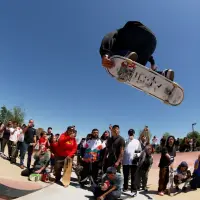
10, 176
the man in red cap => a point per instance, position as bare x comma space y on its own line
66, 147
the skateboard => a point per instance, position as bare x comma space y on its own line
171, 182
67, 170
146, 80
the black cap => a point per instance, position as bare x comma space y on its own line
111, 170
131, 132
49, 128
70, 127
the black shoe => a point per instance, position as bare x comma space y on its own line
145, 189
133, 193
125, 190
184, 189
169, 74
177, 188
133, 56
81, 184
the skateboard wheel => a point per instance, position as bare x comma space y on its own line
166, 102
129, 61
120, 80
175, 84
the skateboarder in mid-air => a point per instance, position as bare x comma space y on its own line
134, 41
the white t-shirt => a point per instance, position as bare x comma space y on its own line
129, 152
154, 141
14, 133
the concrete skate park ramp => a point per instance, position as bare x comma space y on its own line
12, 189
189, 157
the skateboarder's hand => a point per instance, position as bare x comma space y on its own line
154, 67
106, 62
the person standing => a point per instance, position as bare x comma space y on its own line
114, 150
130, 162
166, 164
28, 143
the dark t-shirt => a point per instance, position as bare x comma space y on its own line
29, 135
49, 136
6, 134
164, 161
114, 145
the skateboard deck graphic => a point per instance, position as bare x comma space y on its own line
67, 172
146, 80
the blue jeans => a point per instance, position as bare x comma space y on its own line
24, 147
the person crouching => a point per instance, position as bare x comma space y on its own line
182, 175
40, 165
111, 186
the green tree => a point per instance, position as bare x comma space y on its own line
147, 134
166, 134
18, 115
5, 115
194, 134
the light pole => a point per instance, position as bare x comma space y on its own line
193, 127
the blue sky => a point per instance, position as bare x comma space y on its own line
50, 63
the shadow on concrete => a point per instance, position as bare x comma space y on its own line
8, 193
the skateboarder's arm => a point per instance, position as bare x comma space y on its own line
151, 60
107, 44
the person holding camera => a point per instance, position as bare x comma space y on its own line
130, 162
